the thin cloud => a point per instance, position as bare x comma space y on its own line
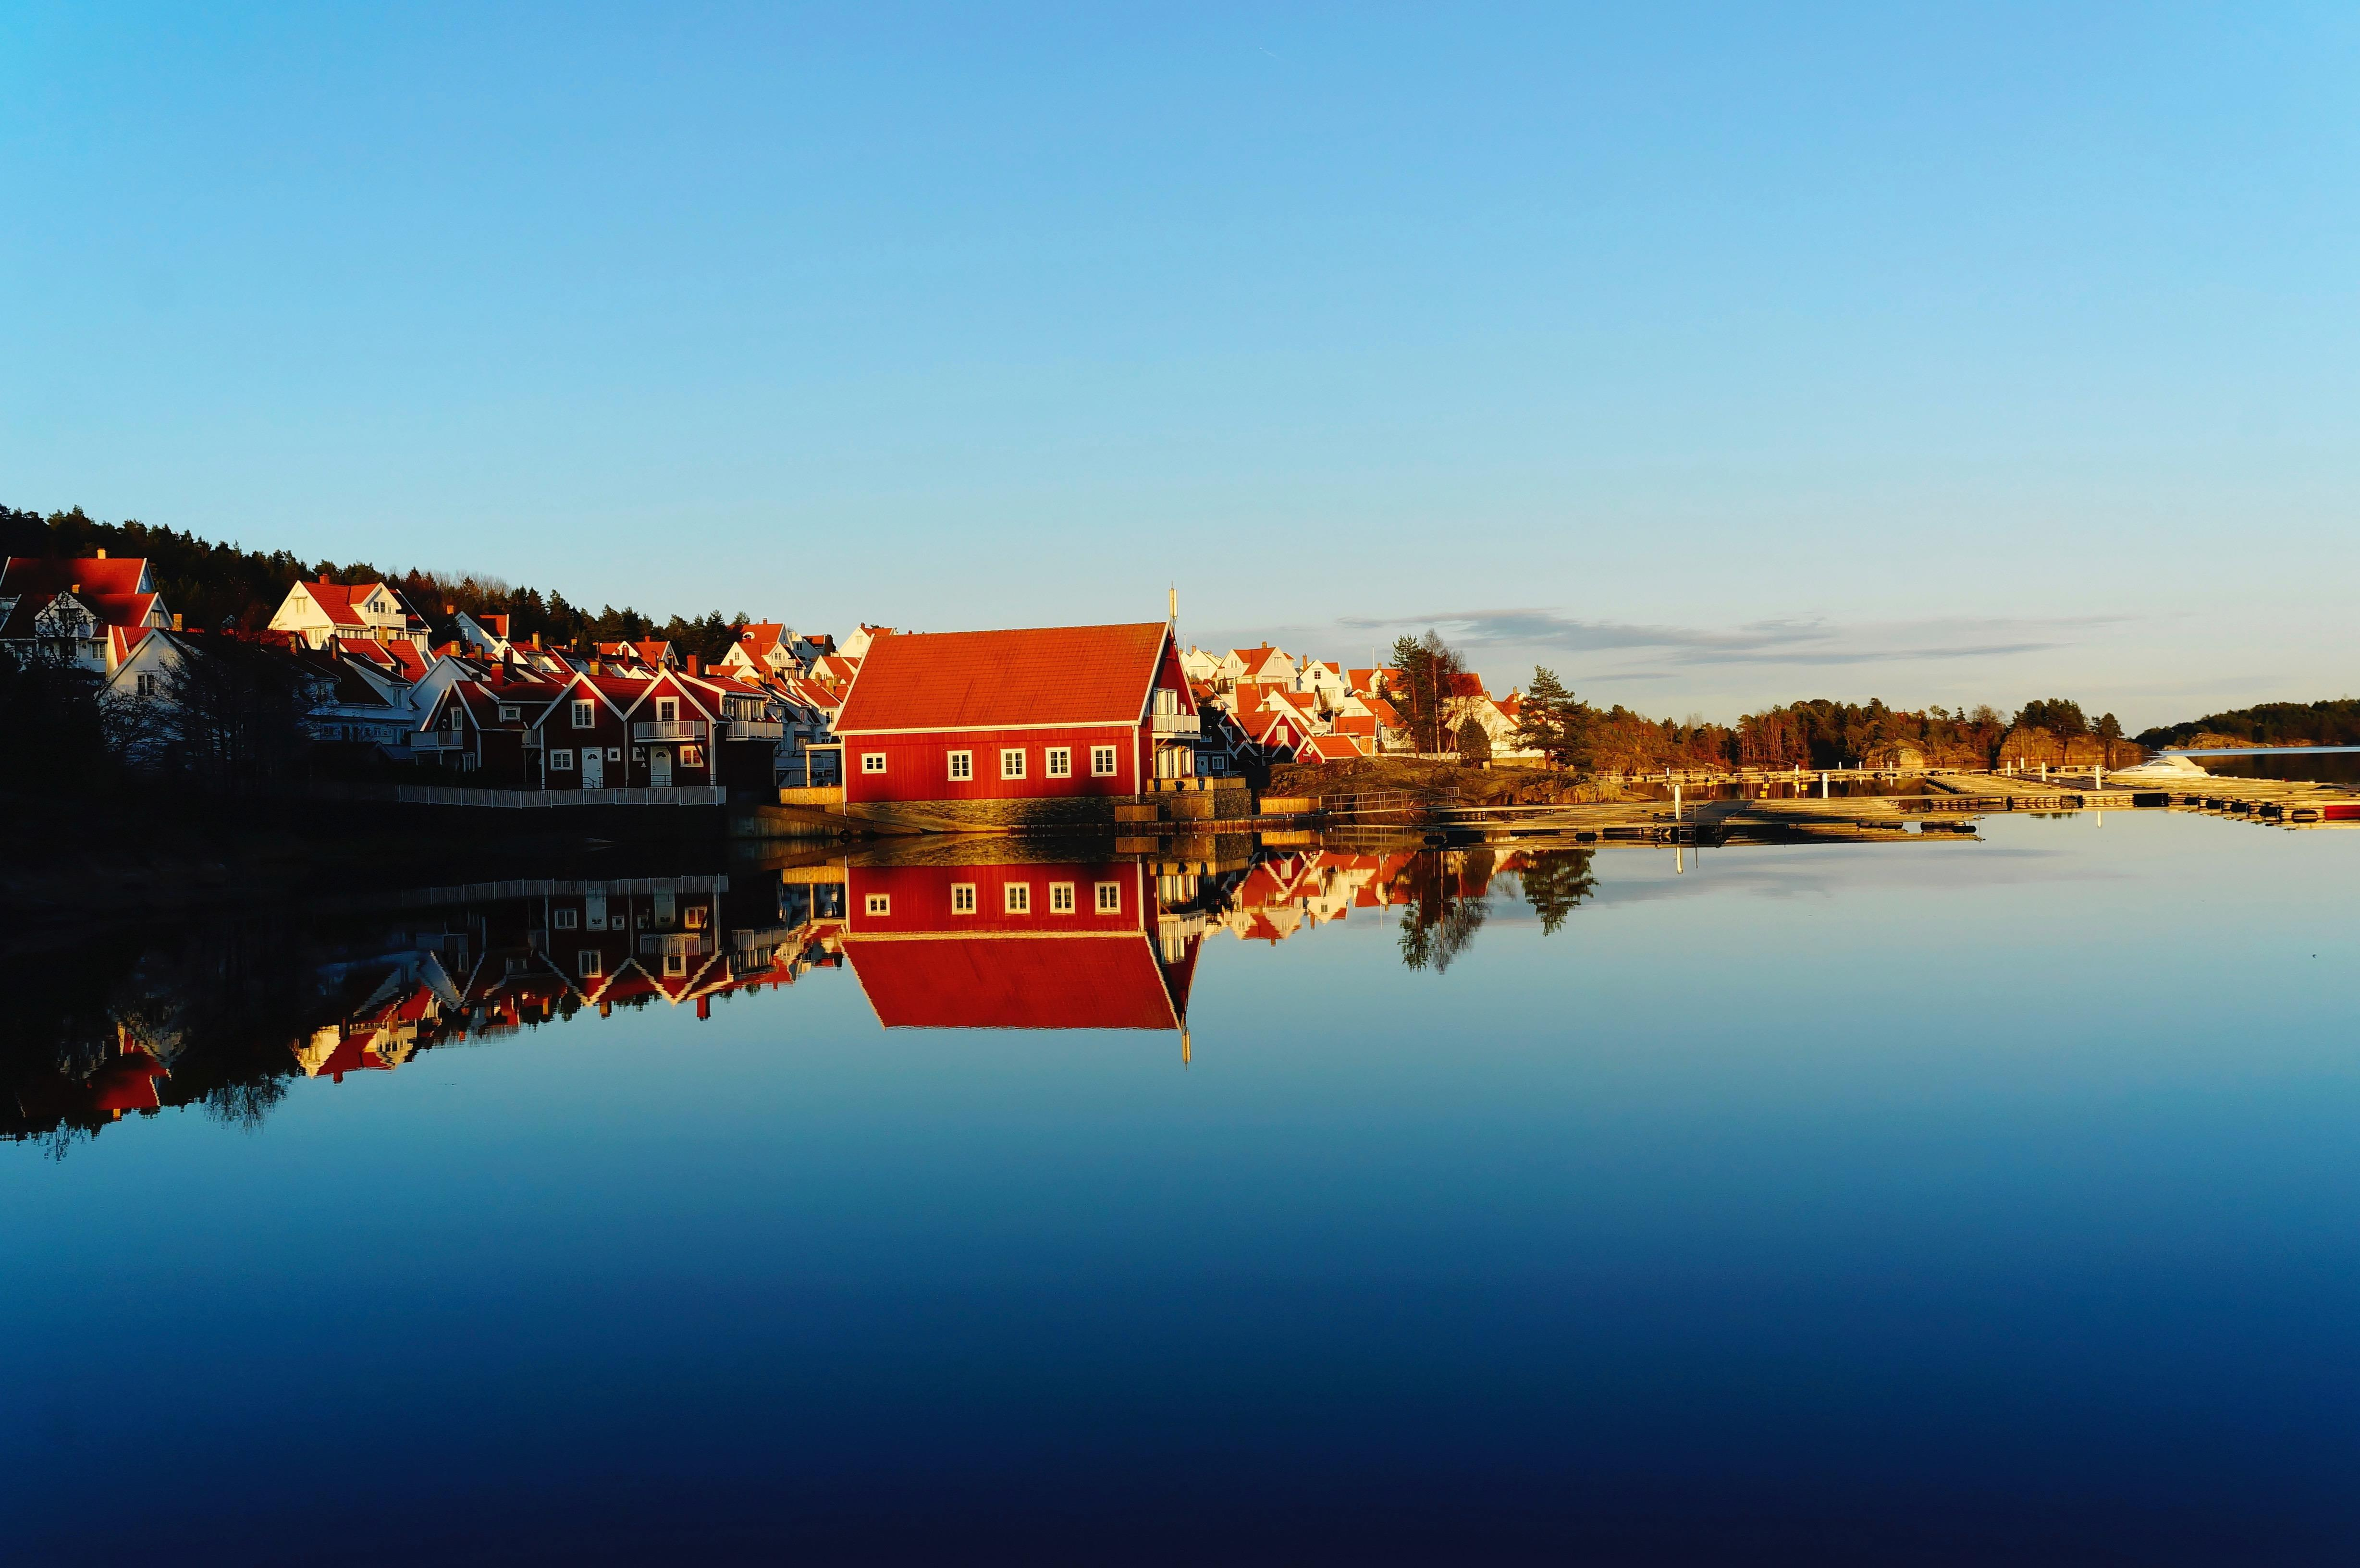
1803, 641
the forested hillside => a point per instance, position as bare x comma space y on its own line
2335, 722
211, 584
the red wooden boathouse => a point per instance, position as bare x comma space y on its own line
1044, 725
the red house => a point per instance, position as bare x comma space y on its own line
985, 721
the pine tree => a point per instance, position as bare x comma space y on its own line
1555, 722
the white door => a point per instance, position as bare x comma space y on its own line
659, 766
593, 767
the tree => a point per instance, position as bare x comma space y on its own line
230, 714
1555, 881
1424, 681
1474, 743
1555, 722
2058, 716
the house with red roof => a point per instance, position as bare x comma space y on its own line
317, 612
90, 608
999, 728
764, 651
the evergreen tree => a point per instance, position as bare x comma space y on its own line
1555, 722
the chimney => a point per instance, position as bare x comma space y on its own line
102, 555
536, 639
176, 623
75, 590
692, 664
450, 610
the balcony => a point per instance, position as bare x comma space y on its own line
438, 740
669, 729
532, 741
752, 729
1174, 723
682, 944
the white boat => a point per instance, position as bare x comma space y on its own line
2165, 770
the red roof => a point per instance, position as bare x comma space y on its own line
56, 574
1050, 675
1015, 982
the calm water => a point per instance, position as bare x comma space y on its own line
1928, 1202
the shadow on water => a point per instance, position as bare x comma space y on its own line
229, 1015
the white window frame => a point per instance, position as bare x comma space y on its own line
614, 754
510, 713
692, 757
1110, 899
561, 759
1104, 762
1012, 762
675, 965
1016, 898
963, 898
962, 767
589, 964
877, 905
585, 714
566, 920
667, 710
1057, 762
1061, 898
872, 762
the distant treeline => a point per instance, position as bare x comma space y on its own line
2333, 723
212, 585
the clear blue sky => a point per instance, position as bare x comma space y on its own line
1715, 357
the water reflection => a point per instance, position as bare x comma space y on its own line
228, 1016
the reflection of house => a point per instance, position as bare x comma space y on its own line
1039, 945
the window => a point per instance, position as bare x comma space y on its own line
878, 904
1061, 898
1060, 763
561, 761
1216, 763
692, 757
675, 965
147, 685
1110, 897
585, 715
667, 710
962, 765
1012, 763
1017, 897
588, 963
872, 762
1101, 762
694, 916
566, 920
1168, 701
962, 898
510, 713
614, 754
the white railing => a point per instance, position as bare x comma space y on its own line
753, 729
532, 741
680, 944
1174, 723
438, 740
669, 729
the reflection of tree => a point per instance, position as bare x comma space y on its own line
1445, 906
1555, 881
